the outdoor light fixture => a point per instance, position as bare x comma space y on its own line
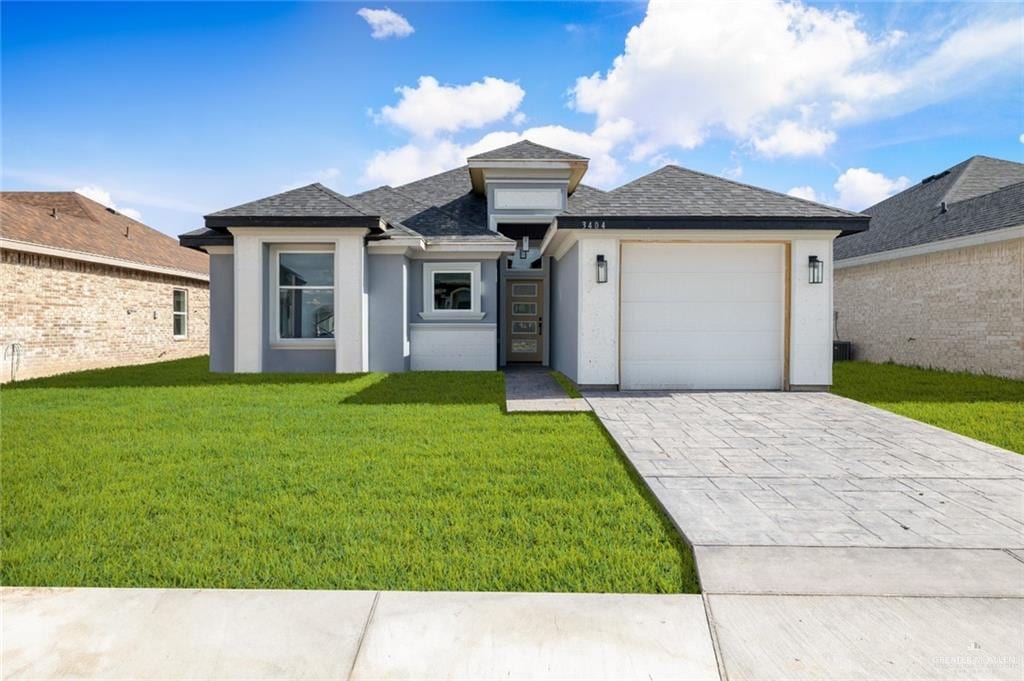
602, 270
524, 248
815, 270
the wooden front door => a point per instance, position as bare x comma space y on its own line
524, 317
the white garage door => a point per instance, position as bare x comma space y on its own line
702, 316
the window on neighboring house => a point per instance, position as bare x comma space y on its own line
180, 313
451, 290
305, 295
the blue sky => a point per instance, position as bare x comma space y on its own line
171, 110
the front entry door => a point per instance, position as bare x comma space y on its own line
525, 319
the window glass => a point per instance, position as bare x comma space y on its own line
179, 300
179, 325
453, 290
524, 327
306, 269
524, 290
306, 313
524, 346
179, 312
524, 308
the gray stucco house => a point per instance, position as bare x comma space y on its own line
675, 280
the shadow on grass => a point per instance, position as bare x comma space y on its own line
179, 373
434, 387
874, 383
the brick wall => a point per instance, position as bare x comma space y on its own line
960, 310
70, 315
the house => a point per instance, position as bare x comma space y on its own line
86, 287
938, 280
675, 280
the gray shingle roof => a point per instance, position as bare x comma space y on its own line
314, 200
672, 191
981, 194
527, 151
421, 217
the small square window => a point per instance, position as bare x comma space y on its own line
453, 290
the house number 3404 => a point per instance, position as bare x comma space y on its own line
593, 224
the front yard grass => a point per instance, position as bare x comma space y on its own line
168, 476
983, 407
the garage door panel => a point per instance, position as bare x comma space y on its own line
700, 287
702, 258
701, 346
748, 375
750, 316
702, 316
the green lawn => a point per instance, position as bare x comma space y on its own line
167, 475
985, 408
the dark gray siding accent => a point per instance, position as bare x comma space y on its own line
222, 313
276, 360
488, 292
565, 284
389, 332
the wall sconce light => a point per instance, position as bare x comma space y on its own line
524, 247
602, 270
815, 270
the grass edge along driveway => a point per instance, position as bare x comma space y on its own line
165, 475
986, 408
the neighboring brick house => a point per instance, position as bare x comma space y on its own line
938, 279
85, 287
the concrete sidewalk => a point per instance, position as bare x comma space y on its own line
257, 634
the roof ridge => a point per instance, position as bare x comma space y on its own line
760, 189
337, 196
958, 180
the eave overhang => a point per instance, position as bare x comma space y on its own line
846, 225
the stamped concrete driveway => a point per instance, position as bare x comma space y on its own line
835, 539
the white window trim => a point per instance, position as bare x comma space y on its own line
274, 299
432, 268
175, 313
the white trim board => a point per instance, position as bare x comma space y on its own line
994, 236
38, 249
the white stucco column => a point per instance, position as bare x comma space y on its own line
351, 310
248, 266
810, 335
598, 349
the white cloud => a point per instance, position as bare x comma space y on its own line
431, 108
691, 70
101, 195
804, 192
421, 158
792, 139
385, 23
1021, 138
860, 188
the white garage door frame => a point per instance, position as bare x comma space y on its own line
787, 290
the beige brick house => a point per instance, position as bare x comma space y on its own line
938, 279
85, 287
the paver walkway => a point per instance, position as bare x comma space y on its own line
531, 388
